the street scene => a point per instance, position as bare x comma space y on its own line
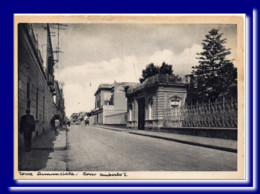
94, 148
127, 97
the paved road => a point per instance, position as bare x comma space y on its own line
97, 149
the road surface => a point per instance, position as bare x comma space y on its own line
92, 148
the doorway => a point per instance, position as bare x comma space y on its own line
141, 113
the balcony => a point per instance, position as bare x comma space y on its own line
52, 89
50, 80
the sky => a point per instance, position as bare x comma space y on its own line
106, 53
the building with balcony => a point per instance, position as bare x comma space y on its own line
111, 104
147, 102
102, 99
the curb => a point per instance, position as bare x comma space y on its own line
176, 140
104, 127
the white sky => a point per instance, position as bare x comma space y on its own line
104, 53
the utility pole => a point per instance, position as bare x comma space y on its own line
58, 27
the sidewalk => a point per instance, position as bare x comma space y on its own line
213, 143
45, 153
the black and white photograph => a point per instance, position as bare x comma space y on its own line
129, 97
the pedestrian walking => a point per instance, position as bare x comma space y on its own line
86, 122
27, 126
68, 123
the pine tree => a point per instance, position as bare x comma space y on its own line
215, 75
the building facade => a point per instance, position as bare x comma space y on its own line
35, 86
111, 104
147, 102
102, 99
58, 99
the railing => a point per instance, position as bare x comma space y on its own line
50, 80
160, 79
218, 114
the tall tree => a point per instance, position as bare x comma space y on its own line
215, 74
149, 71
166, 69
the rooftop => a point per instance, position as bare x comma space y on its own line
160, 79
124, 84
104, 87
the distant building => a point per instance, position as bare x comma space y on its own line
102, 97
36, 86
111, 104
78, 117
148, 101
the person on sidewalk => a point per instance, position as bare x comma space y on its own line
86, 122
68, 123
27, 126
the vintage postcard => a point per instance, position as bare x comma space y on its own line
129, 97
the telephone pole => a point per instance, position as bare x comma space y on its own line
58, 27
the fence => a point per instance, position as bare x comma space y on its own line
222, 114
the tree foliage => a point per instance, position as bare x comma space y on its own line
215, 76
152, 69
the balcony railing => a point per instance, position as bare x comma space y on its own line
160, 79
50, 80
52, 89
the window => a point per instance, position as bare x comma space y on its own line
98, 101
130, 112
54, 98
112, 99
150, 109
175, 104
